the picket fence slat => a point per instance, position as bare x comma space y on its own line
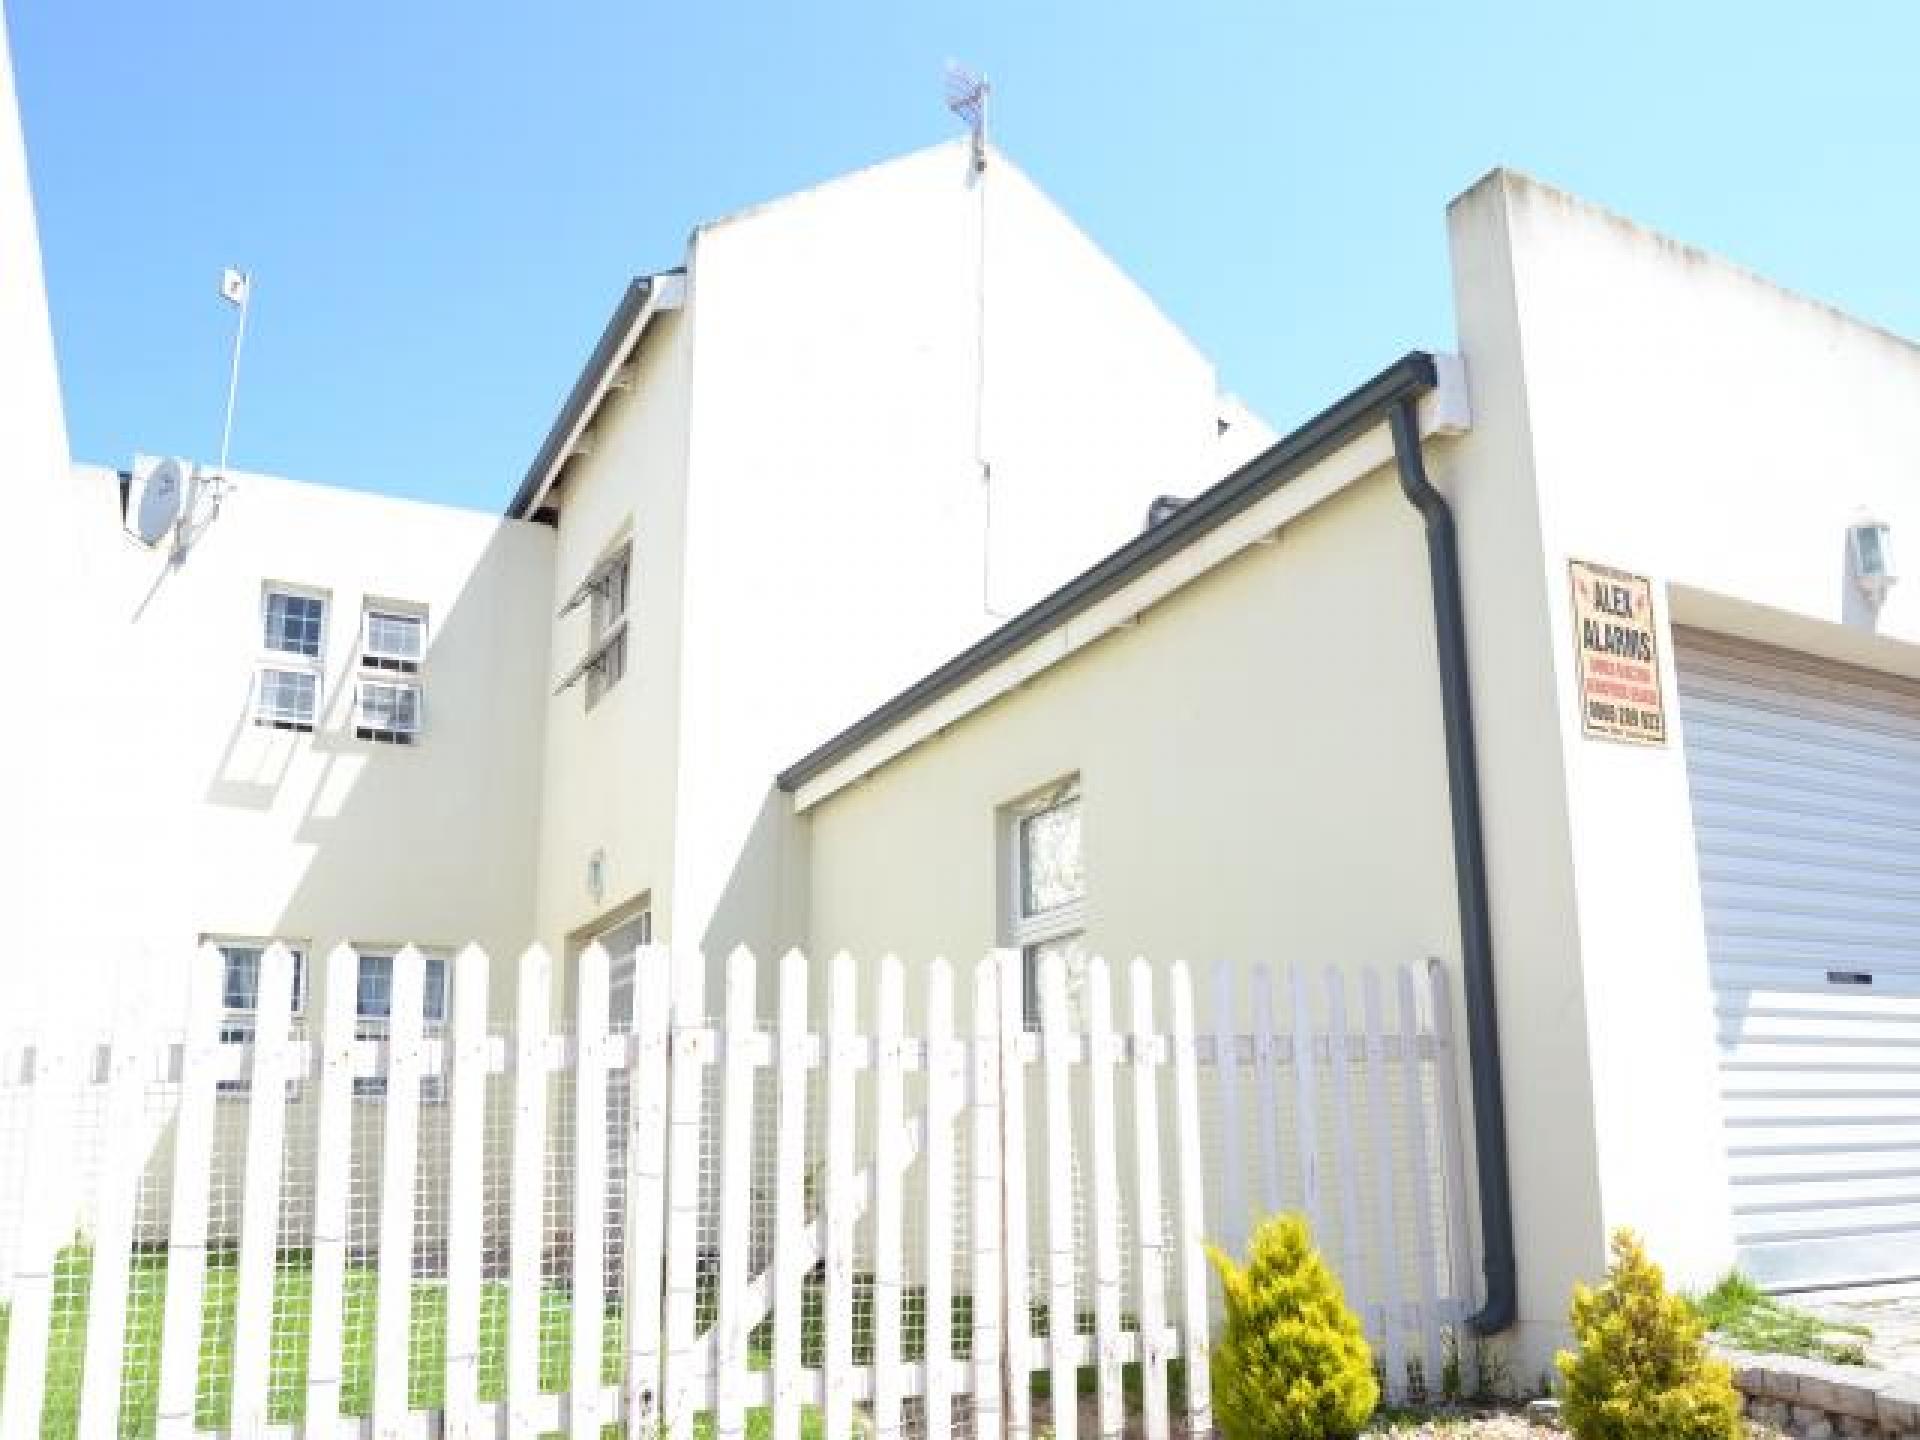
260, 1195
1386, 1216
399, 1168
646, 1186
688, 1060
1422, 1177
889, 1212
1017, 1338
1306, 1109
187, 1214
987, 1136
790, 1261
121, 1159
587, 1282
1267, 1048
736, 1193
50, 1078
1149, 1221
1231, 1204
1103, 1187
333, 1134
1061, 1272
1459, 1261
938, 1202
1353, 1267
1192, 1214
837, 1295
529, 1174
466, 1085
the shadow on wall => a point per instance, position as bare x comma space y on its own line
763, 904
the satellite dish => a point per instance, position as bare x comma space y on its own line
157, 506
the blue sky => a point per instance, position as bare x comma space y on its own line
442, 201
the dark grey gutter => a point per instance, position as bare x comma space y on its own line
1405, 381
1470, 878
605, 353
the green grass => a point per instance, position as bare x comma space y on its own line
1745, 1316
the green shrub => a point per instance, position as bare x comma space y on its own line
1642, 1370
1292, 1363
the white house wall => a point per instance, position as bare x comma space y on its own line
838, 542
33, 456
200, 822
1644, 406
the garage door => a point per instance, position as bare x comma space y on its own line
1806, 798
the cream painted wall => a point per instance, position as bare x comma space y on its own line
1261, 776
199, 822
609, 772
837, 526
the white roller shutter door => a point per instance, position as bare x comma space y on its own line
1805, 778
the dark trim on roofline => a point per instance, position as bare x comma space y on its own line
605, 353
1404, 381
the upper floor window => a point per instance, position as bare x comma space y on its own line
388, 702
393, 639
286, 689
1047, 886
607, 587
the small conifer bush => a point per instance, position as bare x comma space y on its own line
1642, 1370
1292, 1362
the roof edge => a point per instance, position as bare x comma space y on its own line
621, 329
1413, 375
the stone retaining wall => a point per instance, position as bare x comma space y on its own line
1814, 1400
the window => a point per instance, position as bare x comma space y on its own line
393, 640
240, 992
387, 712
607, 587
373, 1009
1047, 902
286, 692
393, 643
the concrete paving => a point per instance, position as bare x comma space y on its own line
1891, 1312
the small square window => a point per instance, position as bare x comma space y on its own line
286, 699
294, 623
394, 640
388, 712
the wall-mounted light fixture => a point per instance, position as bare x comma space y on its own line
597, 876
1870, 558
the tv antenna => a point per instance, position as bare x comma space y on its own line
236, 288
967, 95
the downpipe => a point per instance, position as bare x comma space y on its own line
1470, 878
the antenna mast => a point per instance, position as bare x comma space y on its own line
967, 94
236, 288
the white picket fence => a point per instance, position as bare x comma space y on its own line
883, 1209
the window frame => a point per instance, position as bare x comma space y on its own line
385, 661
604, 664
389, 734
1030, 932
276, 659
